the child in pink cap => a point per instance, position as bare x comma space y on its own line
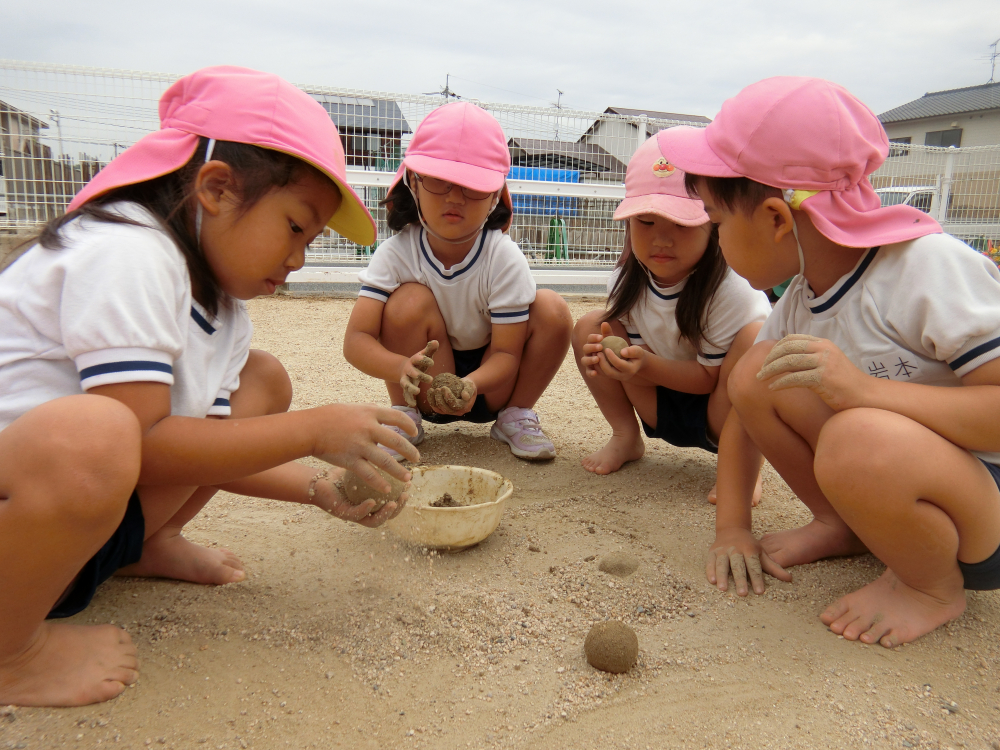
452, 285
687, 319
128, 390
873, 386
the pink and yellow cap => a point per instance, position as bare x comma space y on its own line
813, 140
653, 185
244, 106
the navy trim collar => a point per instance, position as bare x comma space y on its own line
203, 324
846, 287
449, 276
655, 291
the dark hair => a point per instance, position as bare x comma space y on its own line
171, 199
401, 210
734, 193
692, 304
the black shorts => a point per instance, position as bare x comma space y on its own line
123, 548
984, 575
682, 419
467, 361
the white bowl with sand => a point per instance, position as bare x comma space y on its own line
469, 504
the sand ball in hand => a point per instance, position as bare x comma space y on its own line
358, 491
611, 646
615, 344
452, 382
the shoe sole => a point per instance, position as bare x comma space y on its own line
540, 456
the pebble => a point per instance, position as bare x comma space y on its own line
619, 564
611, 646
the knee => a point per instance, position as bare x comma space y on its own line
745, 390
585, 326
852, 445
266, 370
408, 304
551, 311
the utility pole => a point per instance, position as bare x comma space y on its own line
993, 60
54, 116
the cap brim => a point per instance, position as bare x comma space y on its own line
353, 220
687, 212
459, 173
687, 148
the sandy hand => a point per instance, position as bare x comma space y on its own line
738, 551
415, 372
329, 495
450, 394
348, 435
803, 361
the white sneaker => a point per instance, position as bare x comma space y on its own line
519, 428
413, 414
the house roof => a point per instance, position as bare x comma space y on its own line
950, 102
350, 113
654, 115
581, 157
21, 114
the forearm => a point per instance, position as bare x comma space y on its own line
967, 415
499, 369
738, 466
288, 482
366, 353
686, 376
212, 452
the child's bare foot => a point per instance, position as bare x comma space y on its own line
167, 554
758, 490
70, 665
814, 541
889, 612
619, 450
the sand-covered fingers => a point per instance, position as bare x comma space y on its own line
737, 552
452, 395
801, 361
415, 372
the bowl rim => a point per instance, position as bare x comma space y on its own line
506, 489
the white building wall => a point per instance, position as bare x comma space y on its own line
978, 128
617, 137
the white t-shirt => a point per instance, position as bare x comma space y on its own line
492, 284
653, 320
114, 306
924, 311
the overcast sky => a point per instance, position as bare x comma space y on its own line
672, 56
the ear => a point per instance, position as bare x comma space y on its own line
213, 185
778, 216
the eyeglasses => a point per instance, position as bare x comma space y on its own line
434, 186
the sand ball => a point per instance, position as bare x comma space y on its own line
611, 646
619, 564
452, 382
615, 344
357, 491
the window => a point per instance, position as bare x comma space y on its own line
944, 138
899, 150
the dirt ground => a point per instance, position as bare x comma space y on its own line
343, 637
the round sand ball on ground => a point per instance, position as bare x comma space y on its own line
611, 646
619, 564
615, 344
358, 491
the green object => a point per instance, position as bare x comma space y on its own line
780, 289
557, 245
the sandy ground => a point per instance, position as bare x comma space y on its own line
343, 637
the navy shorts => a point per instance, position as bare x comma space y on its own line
682, 419
123, 548
984, 575
467, 361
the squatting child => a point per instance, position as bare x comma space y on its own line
134, 298
452, 276
873, 387
686, 316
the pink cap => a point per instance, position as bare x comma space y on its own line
244, 106
655, 186
462, 144
803, 134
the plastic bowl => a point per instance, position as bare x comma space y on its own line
482, 495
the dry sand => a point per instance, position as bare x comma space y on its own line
342, 637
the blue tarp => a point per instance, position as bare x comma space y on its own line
544, 205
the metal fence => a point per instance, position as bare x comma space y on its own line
61, 124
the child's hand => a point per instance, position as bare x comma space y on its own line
627, 366
415, 372
738, 551
329, 497
443, 401
349, 436
803, 361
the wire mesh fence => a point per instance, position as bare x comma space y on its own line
59, 125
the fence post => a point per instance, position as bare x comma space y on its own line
643, 120
949, 168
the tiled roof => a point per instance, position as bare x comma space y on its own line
653, 115
366, 115
580, 157
942, 103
